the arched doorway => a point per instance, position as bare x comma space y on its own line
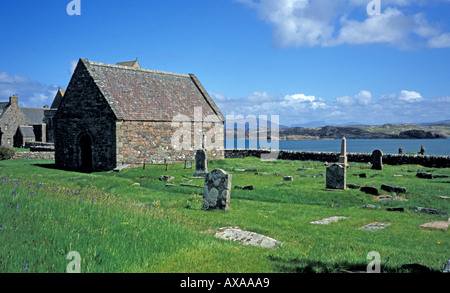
85, 153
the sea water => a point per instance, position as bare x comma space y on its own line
438, 147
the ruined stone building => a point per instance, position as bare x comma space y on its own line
49, 115
120, 114
21, 124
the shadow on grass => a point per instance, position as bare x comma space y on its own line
55, 167
296, 265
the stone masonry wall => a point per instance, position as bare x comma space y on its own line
389, 159
151, 142
34, 155
12, 118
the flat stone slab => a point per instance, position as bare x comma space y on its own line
375, 226
428, 211
166, 178
328, 220
246, 237
441, 225
389, 197
121, 167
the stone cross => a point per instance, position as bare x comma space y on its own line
336, 176
343, 155
201, 164
217, 191
377, 160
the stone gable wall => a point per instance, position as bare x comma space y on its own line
13, 117
83, 110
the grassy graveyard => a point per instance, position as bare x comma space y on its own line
130, 221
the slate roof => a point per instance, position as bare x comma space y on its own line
149, 95
34, 115
26, 131
3, 106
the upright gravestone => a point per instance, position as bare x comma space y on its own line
377, 160
343, 155
217, 190
336, 176
201, 164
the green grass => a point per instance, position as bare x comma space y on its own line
119, 226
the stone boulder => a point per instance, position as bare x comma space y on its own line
369, 190
389, 188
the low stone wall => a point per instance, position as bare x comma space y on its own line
40, 146
389, 159
34, 155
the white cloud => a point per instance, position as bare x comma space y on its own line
364, 97
403, 106
410, 96
440, 41
30, 93
345, 100
303, 23
299, 98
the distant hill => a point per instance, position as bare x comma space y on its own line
354, 130
386, 131
444, 122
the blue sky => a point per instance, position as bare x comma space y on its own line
305, 61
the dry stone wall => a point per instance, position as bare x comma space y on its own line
34, 155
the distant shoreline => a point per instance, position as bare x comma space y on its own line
315, 138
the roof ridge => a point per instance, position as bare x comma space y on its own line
136, 69
36, 108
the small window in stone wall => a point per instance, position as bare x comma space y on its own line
9, 141
6, 127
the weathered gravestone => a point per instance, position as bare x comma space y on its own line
201, 164
377, 160
217, 190
336, 176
